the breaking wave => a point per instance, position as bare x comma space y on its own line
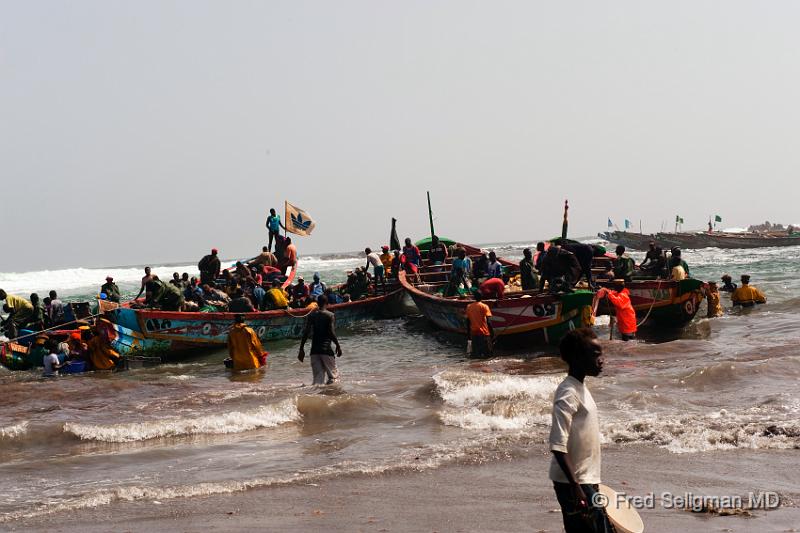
14, 431
494, 401
267, 416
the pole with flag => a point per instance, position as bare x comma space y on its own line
717, 218
627, 224
610, 224
298, 221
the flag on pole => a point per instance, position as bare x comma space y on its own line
717, 218
627, 223
678, 219
609, 223
298, 221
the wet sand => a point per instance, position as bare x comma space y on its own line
512, 495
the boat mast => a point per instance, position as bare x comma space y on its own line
565, 224
430, 214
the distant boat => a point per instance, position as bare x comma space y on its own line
701, 239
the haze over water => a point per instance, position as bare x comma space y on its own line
408, 400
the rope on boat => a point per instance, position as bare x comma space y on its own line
652, 304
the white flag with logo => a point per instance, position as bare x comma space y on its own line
298, 221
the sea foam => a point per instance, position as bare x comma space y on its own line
217, 424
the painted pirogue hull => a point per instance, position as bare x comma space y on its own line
13, 356
148, 331
545, 316
664, 302
699, 240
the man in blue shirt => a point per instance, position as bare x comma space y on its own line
274, 226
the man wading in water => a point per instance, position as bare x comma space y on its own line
575, 436
323, 363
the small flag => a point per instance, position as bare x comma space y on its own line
627, 223
609, 223
681, 220
678, 219
298, 221
717, 218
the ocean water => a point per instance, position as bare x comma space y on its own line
408, 399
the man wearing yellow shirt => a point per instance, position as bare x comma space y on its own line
747, 295
19, 308
244, 346
277, 296
386, 259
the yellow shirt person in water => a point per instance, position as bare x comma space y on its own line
747, 295
244, 346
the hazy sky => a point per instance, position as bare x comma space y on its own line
140, 131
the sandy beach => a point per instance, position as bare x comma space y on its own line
511, 495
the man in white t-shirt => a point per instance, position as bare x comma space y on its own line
51, 362
575, 436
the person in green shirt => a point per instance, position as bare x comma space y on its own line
165, 297
623, 265
111, 290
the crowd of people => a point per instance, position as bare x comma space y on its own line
33, 314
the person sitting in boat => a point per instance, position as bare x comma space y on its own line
209, 266
562, 265
675, 260
494, 269
358, 284
623, 309
437, 254
176, 280
244, 346
727, 284
101, 355
492, 288
214, 296
528, 277
316, 287
712, 298
334, 297
265, 258
240, 303
654, 262
747, 295
111, 290
678, 273
480, 267
386, 260
623, 265
276, 297
299, 293
194, 293
412, 253
608, 273
164, 296
241, 272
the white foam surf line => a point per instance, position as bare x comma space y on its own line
420, 460
466, 388
234, 422
14, 431
73, 279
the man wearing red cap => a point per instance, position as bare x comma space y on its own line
209, 267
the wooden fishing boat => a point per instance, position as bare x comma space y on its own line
534, 314
667, 303
701, 239
151, 331
14, 354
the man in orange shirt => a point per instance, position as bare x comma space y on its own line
479, 329
626, 316
290, 256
